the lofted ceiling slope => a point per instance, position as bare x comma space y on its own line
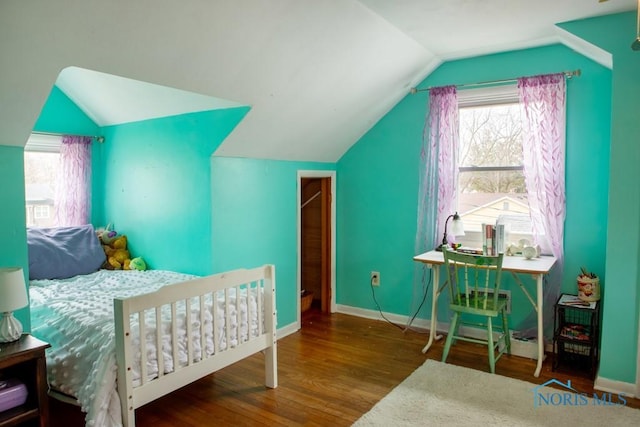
317, 75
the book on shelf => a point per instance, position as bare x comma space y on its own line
493, 239
468, 250
576, 332
500, 239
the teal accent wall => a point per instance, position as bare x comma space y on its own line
154, 177
254, 220
61, 115
621, 302
377, 190
378, 184
13, 234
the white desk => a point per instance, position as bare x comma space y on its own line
517, 265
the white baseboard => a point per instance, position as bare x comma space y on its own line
614, 386
287, 330
528, 349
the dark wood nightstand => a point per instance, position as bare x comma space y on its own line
24, 360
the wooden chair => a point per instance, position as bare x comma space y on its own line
474, 281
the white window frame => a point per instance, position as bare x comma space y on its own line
489, 96
41, 143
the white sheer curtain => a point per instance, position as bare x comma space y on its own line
438, 175
73, 194
543, 100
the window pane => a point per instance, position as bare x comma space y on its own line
40, 172
491, 138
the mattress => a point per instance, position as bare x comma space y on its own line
75, 316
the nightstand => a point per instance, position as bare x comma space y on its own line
24, 360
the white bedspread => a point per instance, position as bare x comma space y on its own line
76, 317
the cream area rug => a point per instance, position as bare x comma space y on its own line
439, 394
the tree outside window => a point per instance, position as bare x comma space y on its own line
491, 186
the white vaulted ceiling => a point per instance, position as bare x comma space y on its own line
317, 74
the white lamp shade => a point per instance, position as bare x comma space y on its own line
13, 291
457, 227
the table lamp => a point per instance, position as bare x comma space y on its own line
13, 296
457, 229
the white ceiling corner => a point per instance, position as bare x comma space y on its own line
585, 48
110, 100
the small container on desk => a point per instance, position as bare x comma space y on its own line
576, 334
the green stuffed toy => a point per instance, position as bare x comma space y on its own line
137, 263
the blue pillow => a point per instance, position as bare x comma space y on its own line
62, 252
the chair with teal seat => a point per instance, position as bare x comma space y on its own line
474, 281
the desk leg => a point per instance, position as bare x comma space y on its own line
539, 305
435, 271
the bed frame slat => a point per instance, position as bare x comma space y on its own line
203, 341
216, 329
143, 351
227, 320
189, 335
174, 338
159, 352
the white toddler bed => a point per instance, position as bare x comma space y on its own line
94, 323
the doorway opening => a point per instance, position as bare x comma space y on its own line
316, 242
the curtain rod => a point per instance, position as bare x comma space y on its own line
100, 139
567, 74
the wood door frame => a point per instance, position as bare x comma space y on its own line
332, 253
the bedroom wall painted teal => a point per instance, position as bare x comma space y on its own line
13, 234
61, 115
254, 220
379, 182
621, 303
155, 186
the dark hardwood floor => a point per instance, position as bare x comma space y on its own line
330, 373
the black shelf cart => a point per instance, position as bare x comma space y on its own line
576, 335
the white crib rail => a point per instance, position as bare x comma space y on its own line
182, 298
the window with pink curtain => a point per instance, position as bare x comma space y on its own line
543, 100
74, 182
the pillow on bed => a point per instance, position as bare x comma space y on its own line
62, 252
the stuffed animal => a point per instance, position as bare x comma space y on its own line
115, 248
137, 264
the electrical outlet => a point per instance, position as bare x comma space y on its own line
375, 278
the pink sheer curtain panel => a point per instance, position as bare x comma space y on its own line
543, 100
74, 184
438, 168
438, 175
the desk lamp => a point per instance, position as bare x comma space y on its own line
13, 296
456, 230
